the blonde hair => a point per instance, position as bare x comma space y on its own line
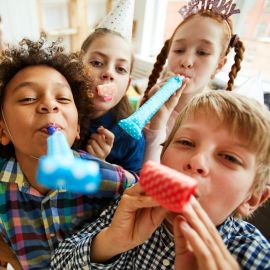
245, 118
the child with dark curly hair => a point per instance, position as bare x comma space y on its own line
40, 86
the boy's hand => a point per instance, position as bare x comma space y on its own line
136, 218
100, 144
8, 256
198, 244
163, 114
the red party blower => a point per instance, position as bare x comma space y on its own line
170, 188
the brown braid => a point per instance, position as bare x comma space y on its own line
239, 52
158, 66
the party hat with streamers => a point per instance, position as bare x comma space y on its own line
120, 19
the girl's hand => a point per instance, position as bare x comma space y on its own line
162, 116
198, 244
136, 218
100, 144
8, 256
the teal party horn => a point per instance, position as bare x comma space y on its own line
134, 124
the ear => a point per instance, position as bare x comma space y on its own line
253, 202
78, 132
4, 138
221, 63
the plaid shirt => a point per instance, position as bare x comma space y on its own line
33, 223
243, 240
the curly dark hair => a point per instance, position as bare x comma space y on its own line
41, 52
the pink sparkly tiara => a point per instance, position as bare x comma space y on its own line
224, 8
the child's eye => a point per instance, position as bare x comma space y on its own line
121, 70
231, 158
96, 63
185, 143
27, 100
64, 100
179, 51
203, 53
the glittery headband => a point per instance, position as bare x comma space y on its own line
224, 8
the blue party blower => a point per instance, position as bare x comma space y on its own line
134, 124
59, 169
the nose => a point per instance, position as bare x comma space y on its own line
187, 61
107, 74
48, 106
197, 164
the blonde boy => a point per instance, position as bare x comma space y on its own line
222, 140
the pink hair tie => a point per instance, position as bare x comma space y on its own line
234, 41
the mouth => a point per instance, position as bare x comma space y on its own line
49, 128
106, 91
188, 76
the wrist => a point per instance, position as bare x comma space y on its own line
103, 247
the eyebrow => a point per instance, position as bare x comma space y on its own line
105, 56
232, 143
205, 41
33, 85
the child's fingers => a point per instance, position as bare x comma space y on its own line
208, 224
109, 136
135, 190
202, 230
90, 149
204, 256
201, 223
100, 145
181, 245
99, 138
98, 150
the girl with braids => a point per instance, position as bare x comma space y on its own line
197, 50
41, 86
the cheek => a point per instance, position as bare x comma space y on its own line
122, 87
172, 64
171, 159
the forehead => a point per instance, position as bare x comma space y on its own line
200, 28
36, 74
202, 117
111, 45
208, 119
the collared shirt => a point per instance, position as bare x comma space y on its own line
126, 151
244, 241
33, 223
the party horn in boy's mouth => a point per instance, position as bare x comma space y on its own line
170, 188
59, 169
134, 124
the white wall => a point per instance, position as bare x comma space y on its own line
19, 19
150, 17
